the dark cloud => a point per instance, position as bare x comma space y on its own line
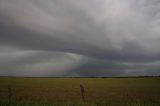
103, 68
79, 36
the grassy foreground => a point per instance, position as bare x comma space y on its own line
66, 91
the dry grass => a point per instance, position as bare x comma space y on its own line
111, 91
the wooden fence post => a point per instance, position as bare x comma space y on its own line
9, 93
82, 92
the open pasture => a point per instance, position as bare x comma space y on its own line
66, 91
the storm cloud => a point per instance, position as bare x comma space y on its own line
79, 38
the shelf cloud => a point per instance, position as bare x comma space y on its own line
79, 38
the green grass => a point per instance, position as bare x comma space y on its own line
66, 91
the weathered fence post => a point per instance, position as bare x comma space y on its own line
82, 92
9, 93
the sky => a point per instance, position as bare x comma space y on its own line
79, 38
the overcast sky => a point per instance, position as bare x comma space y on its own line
79, 37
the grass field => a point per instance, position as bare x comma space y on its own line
66, 91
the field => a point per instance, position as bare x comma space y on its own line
16, 91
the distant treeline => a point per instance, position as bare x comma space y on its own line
117, 77
86, 77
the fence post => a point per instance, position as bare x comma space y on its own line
9, 93
82, 92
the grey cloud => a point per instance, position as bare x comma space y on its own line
37, 63
112, 30
103, 68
